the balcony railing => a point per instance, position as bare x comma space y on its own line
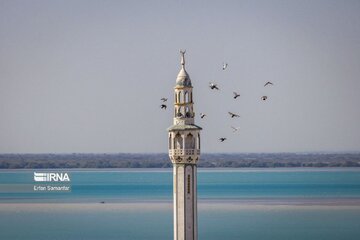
182, 152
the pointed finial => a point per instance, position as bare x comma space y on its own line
182, 52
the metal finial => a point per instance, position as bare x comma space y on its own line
182, 52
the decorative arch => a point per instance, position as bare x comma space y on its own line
198, 140
170, 145
187, 112
178, 141
179, 112
186, 97
189, 141
180, 97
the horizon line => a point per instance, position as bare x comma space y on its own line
154, 153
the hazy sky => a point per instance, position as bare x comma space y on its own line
87, 76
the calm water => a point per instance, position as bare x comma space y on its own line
146, 185
216, 222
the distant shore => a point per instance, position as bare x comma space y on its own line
161, 160
208, 205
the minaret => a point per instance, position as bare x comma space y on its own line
184, 152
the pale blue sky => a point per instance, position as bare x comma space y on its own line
87, 76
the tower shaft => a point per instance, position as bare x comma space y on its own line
185, 202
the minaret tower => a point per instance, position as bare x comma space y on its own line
184, 152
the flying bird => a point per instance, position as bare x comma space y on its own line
264, 98
163, 106
163, 99
202, 115
236, 95
233, 115
268, 83
213, 86
225, 65
222, 139
235, 129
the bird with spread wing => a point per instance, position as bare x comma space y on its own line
232, 115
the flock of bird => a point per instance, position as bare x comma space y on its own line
214, 86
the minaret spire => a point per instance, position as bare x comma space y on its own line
182, 52
183, 78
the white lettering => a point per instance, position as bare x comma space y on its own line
51, 177
39, 188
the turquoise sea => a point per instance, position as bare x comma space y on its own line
233, 204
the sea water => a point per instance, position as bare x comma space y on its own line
226, 209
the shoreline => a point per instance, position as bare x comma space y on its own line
200, 169
203, 205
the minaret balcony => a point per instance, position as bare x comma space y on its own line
183, 152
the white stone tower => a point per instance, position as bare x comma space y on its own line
184, 152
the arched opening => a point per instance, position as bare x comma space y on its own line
178, 141
186, 97
189, 142
187, 112
191, 99
179, 112
180, 97
198, 140
170, 146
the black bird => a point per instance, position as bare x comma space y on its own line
225, 65
163, 99
264, 98
163, 106
213, 86
236, 95
202, 115
268, 83
222, 139
233, 115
